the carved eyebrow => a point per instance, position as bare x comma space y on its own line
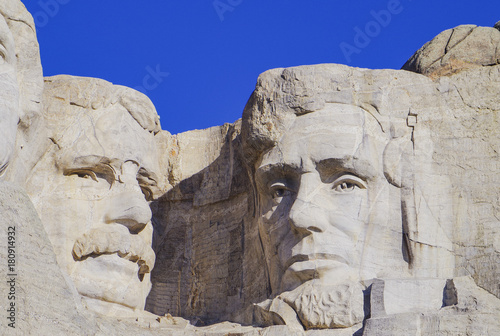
265, 174
100, 165
96, 163
330, 168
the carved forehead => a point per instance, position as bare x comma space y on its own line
338, 131
64, 95
332, 119
281, 95
306, 89
92, 117
109, 132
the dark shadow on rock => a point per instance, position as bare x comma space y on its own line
209, 264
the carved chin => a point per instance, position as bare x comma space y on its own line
325, 307
112, 279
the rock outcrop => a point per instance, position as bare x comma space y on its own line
455, 49
345, 201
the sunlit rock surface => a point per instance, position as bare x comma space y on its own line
345, 201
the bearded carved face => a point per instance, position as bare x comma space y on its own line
323, 196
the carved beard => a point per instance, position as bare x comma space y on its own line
327, 306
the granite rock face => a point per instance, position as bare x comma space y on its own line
466, 148
21, 87
345, 201
462, 47
45, 303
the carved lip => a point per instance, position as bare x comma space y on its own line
144, 265
314, 257
134, 249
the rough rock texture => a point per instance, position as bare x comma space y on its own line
454, 49
181, 216
26, 65
204, 247
467, 146
467, 310
345, 202
44, 302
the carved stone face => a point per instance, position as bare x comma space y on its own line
93, 200
323, 196
9, 94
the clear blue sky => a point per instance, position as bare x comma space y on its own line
206, 55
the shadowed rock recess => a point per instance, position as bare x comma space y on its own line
346, 201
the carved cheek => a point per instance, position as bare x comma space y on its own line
347, 214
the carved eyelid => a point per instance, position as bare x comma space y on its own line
279, 184
349, 178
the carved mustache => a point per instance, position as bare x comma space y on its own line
115, 238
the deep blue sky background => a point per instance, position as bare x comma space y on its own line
213, 59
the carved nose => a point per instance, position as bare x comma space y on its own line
129, 209
305, 215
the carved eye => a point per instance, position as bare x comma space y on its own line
278, 191
103, 175
82, 173
348, 183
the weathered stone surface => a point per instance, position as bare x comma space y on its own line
472, 312
21, 89
321, 220
466, 148
421, 111
399, 296
456, 49
345, 202
44, 301
201, 234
